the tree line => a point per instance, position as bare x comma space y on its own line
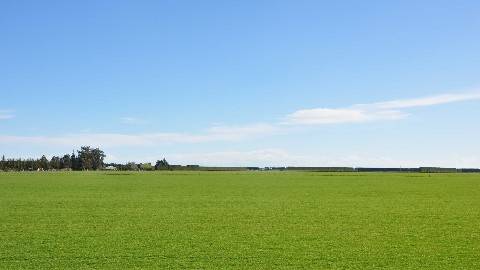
132, 166
87, 158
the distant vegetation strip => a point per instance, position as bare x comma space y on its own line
88, 158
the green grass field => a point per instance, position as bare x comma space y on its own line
262, 220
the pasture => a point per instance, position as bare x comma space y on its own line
233, 220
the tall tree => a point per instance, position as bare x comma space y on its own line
55, 163
66, 162
43, 162
162, 165
86, 157
97, 158
75, 162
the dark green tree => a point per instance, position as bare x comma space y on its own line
97, 158
3, 164
66, 162
55, 163
86, 157
43, 163
75, 162
162, 165
91, 159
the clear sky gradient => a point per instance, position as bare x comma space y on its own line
324, 83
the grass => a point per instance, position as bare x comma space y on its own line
239, 220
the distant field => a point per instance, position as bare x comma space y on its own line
202, 220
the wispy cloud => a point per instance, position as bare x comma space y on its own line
335, 116
6, 114
358, 113
132, 120
213, 134
388, 110
427, 101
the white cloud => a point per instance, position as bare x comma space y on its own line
326, 116
360, 113
132, 120
334, 116
388, 110
218, 133
426, 101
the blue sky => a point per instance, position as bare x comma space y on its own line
353, 83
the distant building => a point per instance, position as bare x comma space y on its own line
111, 168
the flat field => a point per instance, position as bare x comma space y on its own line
231, 220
